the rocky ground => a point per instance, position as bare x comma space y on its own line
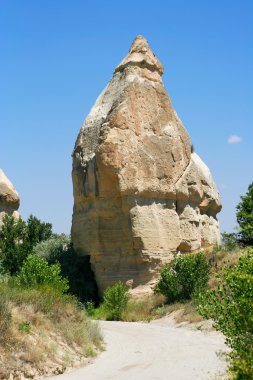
157, 350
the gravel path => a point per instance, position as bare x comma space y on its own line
154, 351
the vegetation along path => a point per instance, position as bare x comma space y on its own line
152, 351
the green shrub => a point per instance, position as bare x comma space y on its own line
230, 305
17, 239
183, 277
115, 300
75, 268
36, 271
169, 284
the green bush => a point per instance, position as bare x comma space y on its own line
17, 240
36, 272
230, 305
169, 284
75, 268
183, 277
115, 300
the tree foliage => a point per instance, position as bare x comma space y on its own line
245, 216
17, 240
183, 277
115, 300
37, 231
230, 305
36, 272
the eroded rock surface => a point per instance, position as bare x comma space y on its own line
9, 198
140, 195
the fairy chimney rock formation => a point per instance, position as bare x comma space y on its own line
9, 198
140, 194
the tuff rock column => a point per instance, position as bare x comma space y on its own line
140, 195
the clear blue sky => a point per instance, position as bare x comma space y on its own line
56, 56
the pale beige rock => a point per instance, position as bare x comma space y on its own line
9, 198
197, 205
140, 195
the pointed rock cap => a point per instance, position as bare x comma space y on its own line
8, 194
142, 56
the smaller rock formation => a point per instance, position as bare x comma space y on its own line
9, 198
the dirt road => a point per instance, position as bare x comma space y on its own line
154, 351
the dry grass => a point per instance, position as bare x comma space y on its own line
186, 312
219, 258
154, 307
43, 337
143, 309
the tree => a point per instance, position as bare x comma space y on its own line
183, 277
245, 217
37, 230
13, 247
115, 300
230, 306
17, 240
